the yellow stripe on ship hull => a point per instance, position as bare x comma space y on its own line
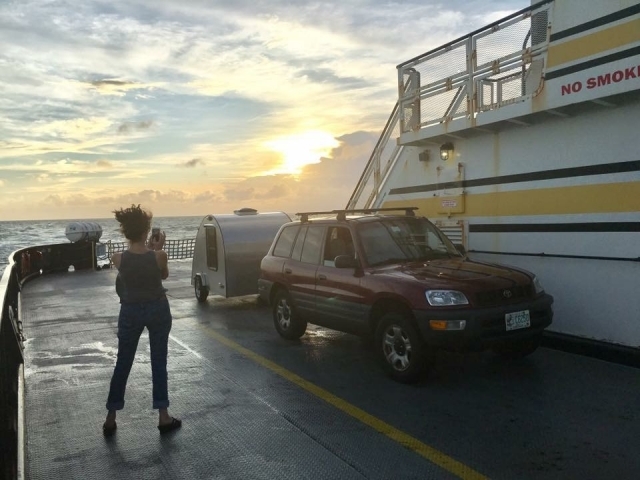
598, 42
601, 198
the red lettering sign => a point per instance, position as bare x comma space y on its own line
601, 80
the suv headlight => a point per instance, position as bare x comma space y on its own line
537, 285
440, 298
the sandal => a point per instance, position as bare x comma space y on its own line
169, 427
109, 431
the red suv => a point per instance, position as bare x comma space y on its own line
399, 279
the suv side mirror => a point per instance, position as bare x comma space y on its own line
460, 249
345, 261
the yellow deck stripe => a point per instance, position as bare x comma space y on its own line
598, 42
451, 465
579, 199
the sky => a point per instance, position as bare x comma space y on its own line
193, 107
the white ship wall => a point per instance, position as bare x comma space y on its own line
596, 299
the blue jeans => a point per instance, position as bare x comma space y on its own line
134, 317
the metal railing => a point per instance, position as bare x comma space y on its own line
497, 65
176, 249
382, 159
11, 360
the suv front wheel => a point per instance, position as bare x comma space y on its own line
287, 322
400, 348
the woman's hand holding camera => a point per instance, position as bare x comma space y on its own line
157, 239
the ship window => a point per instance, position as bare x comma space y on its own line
212, 248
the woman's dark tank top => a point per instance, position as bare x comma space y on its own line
140, 277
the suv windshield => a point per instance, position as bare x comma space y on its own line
403, 239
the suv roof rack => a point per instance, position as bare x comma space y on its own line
342, 214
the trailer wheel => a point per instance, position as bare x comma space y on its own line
400, 348
202, 292
287, 322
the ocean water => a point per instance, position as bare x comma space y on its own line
20, 234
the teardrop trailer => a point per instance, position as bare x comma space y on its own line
229, 249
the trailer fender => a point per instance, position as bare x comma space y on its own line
203, 279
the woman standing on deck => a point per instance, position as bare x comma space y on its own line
143, 303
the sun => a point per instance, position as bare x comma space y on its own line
302, 149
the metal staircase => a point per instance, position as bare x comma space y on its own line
384, 156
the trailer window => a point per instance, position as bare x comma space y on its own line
212, 248
285, 241
312, 245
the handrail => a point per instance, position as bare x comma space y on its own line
176, 249
11, 358
494, 66
475, 32
373, 165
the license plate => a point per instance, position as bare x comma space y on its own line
516, 320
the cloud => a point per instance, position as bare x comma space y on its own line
208, 196
238, 194
277, 191
118, 87
194, 162
326, 185
76, 128
127, 127
119, 94
1, 182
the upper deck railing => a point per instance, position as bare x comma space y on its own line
494, 66
497, 65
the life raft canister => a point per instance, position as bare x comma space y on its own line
83, 231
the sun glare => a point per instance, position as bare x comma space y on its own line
302, 149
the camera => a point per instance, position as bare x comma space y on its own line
155, 234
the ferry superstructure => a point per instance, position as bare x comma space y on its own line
521, 141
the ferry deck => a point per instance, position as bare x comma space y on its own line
255, 406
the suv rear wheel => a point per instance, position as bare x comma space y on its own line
400, 348
287, 322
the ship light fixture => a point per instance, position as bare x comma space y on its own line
446, 151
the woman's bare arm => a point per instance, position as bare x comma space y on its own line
116, 259
163, 263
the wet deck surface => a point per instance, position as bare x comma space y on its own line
255, 406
